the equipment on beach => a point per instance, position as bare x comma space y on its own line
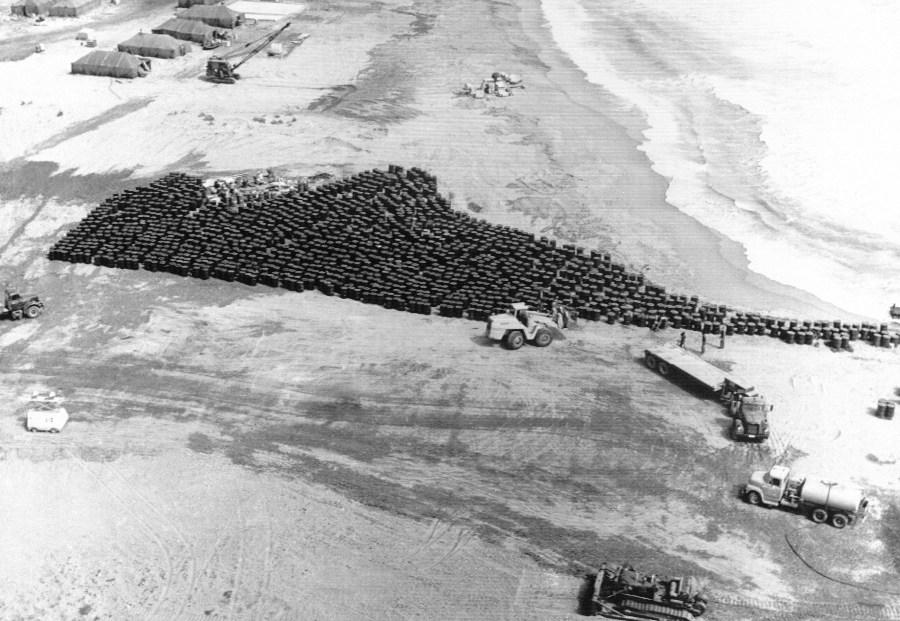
46, 413
621, 592
499, 85
221, 70
895, 311
823, 501
519, 324
748, 408
16, 305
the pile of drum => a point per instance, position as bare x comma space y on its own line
387, 237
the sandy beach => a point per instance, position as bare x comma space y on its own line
251, 453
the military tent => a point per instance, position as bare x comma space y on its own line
183, 4
73, 8
214, 15
113, 64
28, 8
157, 45
186, 30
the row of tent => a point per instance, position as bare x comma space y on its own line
218, 15
130, 60
199, 24
54, 8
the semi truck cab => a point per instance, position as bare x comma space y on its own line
771, 485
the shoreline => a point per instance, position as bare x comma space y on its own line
576, 173
700, 260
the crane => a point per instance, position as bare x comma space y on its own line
220, 69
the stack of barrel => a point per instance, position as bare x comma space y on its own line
387, 237
885, 409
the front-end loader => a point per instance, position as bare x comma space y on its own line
520, 324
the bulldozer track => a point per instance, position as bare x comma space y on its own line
169, 570
656, 611
188, 563
789, 610
265, 586
239, 562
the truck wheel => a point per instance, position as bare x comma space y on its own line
663, 368
54, 430
514, 339
543, 338
839, 520
650, 361
754, 498
819, 515
32, 311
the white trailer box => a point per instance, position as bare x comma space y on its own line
46, 419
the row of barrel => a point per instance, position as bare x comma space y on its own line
388, 237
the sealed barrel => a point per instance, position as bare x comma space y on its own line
879, 410
845, 340
889, 409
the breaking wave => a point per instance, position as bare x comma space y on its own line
775, 124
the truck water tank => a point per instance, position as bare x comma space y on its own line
834, 496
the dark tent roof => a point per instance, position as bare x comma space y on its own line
183, 4
73, 8
114, 64
158, 45
214, 15
31, 7
186, 29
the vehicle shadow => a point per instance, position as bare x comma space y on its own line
483, 341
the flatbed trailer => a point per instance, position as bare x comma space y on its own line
671, 360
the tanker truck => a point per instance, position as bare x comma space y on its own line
822, 501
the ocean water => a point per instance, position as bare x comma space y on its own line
776, 123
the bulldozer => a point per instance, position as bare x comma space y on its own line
621, 592
16, 305
222, 70
520, 324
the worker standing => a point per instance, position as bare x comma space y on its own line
681, 339
722, 337
703, 343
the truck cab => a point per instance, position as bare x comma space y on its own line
748, 408
767, 488
751, 418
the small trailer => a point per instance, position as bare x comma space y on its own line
46, 413
748, 409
